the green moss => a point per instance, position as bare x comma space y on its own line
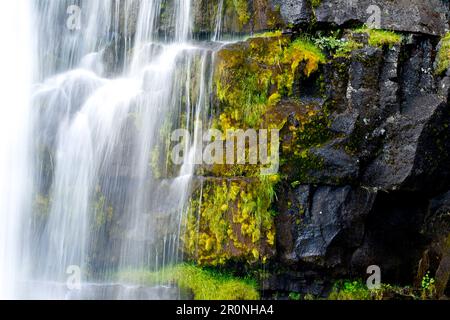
312, 130
380, 38
233, 217
240, 7
231, 220
268, 34
248, 73
204, 284
357, 290
350, 290
443, 55
294, 296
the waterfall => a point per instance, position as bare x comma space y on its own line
92, 90
15, 127
219, 18
115, 78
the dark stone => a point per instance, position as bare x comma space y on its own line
436, 257
335, 220
344, 123
416, 78
392, 238
295, 11
414, 156
337, 167
303, 282
292, 209
437, 222
417, 16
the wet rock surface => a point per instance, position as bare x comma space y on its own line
428, 17
380, 195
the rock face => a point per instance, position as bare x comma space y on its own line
427, 17
380, 195
367, 186
413, 16
366, 182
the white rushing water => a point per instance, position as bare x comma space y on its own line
90, 94
15, 125
115, 78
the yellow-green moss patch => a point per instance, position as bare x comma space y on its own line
204, 284
380, 38
231, 220
249, 73
443, 55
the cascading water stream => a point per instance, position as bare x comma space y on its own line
113, 85
15, 128
85, 181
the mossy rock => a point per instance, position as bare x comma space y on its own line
254, 75
231, 220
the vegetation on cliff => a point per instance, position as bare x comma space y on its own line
443, 55
204, 284
252, 76
231, 217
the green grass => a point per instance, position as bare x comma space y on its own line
443, 56
205, 284
350, 290
380, 38
357, 290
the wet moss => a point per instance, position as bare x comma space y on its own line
443, 55
204, 284
231, 217
242, 10
307, 128
380, 38
231, 220
250, 75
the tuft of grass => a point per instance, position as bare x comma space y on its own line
380, 38
443, 55
205, 284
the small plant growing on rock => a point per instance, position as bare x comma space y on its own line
331, 43
428, 286
294, 296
